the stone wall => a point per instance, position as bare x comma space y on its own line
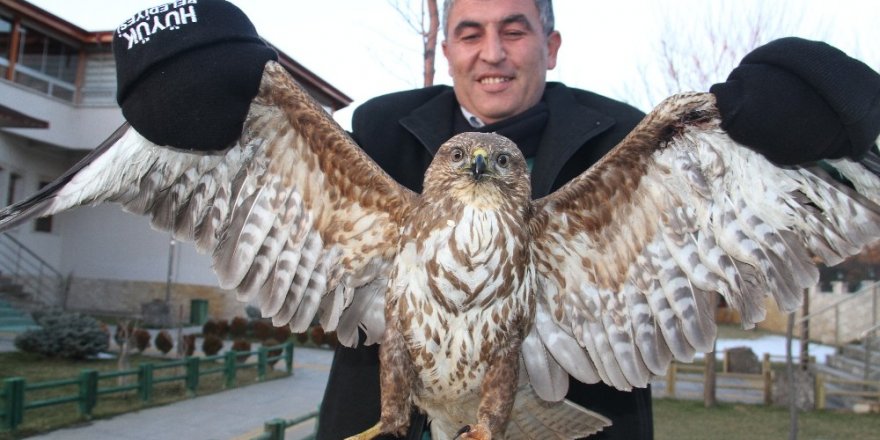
125, 298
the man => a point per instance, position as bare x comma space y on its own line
792, 100
499, 52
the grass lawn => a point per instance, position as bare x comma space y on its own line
35, 368
689, 420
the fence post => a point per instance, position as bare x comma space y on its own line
230, 368
275, 428
670, 380
13, 390
262, 355
88, 392
874, 292
837, 326
767, 372
820, 391
145, 380
192, 375
288, 356
725, 362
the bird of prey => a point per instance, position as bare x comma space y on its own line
485, 301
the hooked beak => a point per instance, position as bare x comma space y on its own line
478, 168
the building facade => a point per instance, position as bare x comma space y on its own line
57, 102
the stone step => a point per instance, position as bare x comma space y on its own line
8, 321
24, 304
12, 289
854, 367
829, 370
8, 312
837, 401
15, 317
14, 320
873, 342
857, 352
16, 329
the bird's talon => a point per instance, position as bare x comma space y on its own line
473, 432
369, 434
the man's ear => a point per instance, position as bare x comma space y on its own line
446, 55
554, 40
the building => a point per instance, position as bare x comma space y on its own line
57, 102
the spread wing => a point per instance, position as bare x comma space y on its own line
294, 214
628, 253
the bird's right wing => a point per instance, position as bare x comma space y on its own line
295, 215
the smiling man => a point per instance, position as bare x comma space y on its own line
499, 52
499, 56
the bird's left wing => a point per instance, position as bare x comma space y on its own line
294, 213
628, 254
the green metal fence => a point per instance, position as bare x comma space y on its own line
15, 390
274, 429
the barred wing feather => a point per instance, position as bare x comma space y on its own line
295, 215
628, 253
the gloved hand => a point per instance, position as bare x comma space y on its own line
797, 101
186, 72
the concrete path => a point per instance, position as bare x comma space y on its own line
237, 414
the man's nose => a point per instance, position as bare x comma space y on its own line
493, 49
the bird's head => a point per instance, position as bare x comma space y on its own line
478, 167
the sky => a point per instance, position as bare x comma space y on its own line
366, 48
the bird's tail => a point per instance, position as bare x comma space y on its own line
534, 418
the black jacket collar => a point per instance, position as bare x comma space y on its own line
570, 126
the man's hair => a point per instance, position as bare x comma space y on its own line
545, 12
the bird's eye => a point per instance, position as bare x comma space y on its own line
457, 155
503, 160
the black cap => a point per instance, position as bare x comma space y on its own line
187, 71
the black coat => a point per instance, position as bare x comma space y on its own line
401, 132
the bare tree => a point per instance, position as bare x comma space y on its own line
700, 43
426, 23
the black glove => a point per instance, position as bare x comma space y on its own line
186, 72
797, 101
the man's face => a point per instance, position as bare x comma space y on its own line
498, 56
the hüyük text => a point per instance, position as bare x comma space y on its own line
139, 28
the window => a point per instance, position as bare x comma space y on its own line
14, 179
44, 63
5, 42
43, 224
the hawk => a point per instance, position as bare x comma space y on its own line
486, 301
